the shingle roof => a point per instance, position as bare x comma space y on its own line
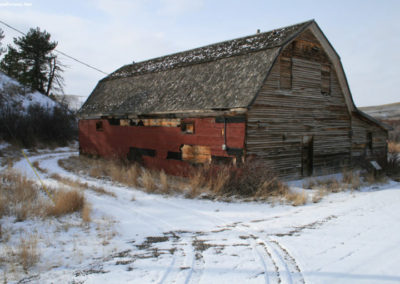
219, 76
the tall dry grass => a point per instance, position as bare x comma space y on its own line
148, 181
27, 253
21, 197
115, 170
66, 202
251, 180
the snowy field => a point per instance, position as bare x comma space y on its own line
135, 237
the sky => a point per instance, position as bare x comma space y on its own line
108, 34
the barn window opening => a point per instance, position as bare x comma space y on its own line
326, 80
113, 121
221, 160
99, 126
174, 155
285, 80
369, 140
187, 127
136, 154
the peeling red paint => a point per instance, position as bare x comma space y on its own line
114, 141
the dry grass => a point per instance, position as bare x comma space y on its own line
394, 147
117, 171
164, 182
371, 178
251, 180
352, 179
77, 184
296, 198
85, 213
27, 254
19, 196
317, 197
148, 181
66, 202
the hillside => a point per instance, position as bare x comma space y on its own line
389, 114
383, 112
17, 97
31, 119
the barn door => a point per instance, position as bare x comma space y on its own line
307, 155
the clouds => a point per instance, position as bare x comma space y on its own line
111, 33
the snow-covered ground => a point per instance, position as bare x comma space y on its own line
135, 237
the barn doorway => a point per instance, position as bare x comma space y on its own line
307, 154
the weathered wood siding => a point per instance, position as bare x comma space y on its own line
369, 140
284, 118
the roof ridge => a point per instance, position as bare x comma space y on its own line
211, 52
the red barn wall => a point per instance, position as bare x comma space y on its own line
114, 141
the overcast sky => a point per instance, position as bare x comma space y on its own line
110, 33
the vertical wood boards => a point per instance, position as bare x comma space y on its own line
313, 106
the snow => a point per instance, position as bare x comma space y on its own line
17, 98
135, 237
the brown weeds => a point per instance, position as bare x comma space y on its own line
85, 213
77, 184
296, 198
66, 202
164, 182
27, 253
148, 181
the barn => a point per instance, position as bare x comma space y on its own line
279, 96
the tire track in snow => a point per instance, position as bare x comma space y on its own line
147, 219
290, 262
279, 255
261, 258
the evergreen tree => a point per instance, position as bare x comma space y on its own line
33, 62
1, 38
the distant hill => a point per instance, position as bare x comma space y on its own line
389, 114
73, 102
383, 112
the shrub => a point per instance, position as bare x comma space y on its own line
38, 126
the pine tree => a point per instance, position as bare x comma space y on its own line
1, 38
33, 62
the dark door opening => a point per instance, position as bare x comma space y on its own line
307, 146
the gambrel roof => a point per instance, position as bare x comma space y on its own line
224, 75
221, 76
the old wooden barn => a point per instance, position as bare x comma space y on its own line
281, 96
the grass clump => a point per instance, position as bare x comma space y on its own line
27, 254
66, 202
148, 181
22, 198
250, 180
